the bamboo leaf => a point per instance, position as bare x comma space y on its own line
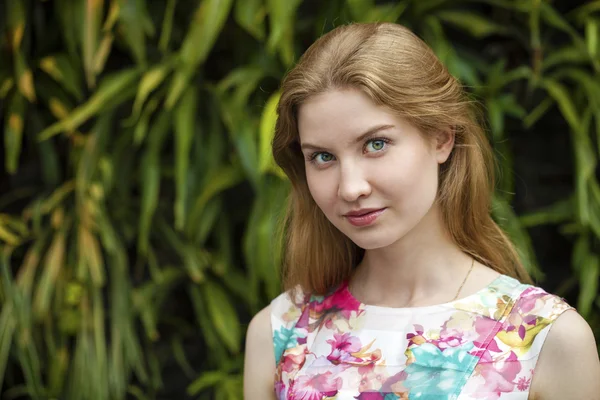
205, 381
588, 279
90, 253
102, 53
13, 133
92, 21
561, 211
150, 81
267, 132
16, 29
564, 55
384, 13
59, 67
506, 218
359, 8
561, 96
208, 21
134, 20
552, 17
476, 24
184, 120
141, 128
218, 181
7, 330
113, 90
591, 36
281, 38
222, 315
209, 334
53, 263
250, 15
167, 25
150, 182
538, 112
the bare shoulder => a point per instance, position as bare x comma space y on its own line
568, 365
259, 361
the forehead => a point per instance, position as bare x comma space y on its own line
337, 114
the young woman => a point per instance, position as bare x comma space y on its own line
399, 283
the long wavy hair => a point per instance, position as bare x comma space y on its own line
397, 70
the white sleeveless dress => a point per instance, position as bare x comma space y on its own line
484, 346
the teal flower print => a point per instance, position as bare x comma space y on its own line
437, 374
286, 339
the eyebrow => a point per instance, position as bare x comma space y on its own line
362, 137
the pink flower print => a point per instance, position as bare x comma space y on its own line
500, 379
523, 383
529, 300
315, 387
342, 347
293, 359
485, 328
372, 378
339, 301
371, 396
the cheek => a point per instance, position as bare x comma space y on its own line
321, 188
413, 177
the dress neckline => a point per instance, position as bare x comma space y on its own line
489, 288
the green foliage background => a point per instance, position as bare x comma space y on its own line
139, 197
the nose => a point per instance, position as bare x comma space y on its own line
353, 183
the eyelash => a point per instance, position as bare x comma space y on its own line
312, 157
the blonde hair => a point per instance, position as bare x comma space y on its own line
397, 70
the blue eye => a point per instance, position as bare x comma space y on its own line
321, 158
375, 145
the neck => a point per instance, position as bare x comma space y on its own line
424, 267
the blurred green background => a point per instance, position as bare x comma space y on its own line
139, 198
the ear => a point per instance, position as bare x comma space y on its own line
444, 143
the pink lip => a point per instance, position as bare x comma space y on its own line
366, 218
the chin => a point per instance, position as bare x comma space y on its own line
372, 242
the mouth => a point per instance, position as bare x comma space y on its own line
364, 217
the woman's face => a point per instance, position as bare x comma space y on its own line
373, 174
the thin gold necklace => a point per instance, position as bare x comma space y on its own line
465, 280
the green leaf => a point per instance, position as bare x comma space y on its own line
553, 18
267, 132
561, 211
209, 334
207, 24
54, 262
564, 55
218, 181
222, 315
185, 118
150, 81
509, 222
477, 25
588, 280
359, 8
60, 68
250, 15
134, 20
7, 330
167, 25
113, 90
591, 36
150, 178
538, 112
560, 94
205, 381
92, 18
13, 132
281, 18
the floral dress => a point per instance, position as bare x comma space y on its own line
484, 346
